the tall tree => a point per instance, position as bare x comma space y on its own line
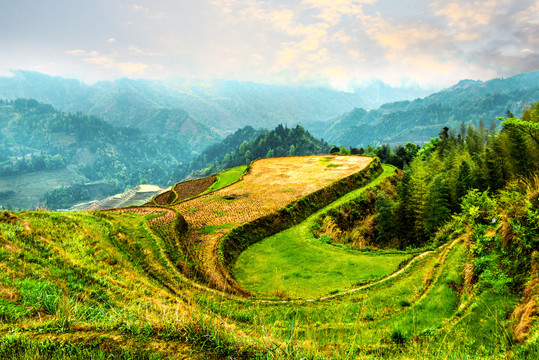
437, 206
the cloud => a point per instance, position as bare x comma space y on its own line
138, 51
293, 41
493, 33
332, 11
130, 67
108, 61
148, 13
402, 36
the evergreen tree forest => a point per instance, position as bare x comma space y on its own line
248, 144
459, 172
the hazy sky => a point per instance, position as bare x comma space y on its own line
304, 42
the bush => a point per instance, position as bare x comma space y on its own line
477, 207
397, 336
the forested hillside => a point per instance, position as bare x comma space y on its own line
204, 112
35, 138
419, 120
219, 105
247, 144
54, 159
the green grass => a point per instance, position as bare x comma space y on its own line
227, 177
101, 285
22, 348
325, 159
333, 165
293, 263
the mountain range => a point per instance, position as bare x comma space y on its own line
118, 133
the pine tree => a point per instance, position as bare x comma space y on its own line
437, 206
385, 220
518, 151
404, 211
464, 181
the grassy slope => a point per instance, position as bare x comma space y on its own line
100, 273
100, 283
294, 263
227, 177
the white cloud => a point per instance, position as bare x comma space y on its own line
293, 41
108, 61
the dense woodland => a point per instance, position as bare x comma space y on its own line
35, 137
463, 182
454, 169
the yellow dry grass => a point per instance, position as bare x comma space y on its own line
270, 185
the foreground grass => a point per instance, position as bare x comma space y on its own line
95, 274
293, 263
23, 348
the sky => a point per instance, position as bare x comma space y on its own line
339, 43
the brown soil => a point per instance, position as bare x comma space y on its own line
184, 190
188, 189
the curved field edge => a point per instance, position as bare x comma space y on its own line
210, 183
293, 263
241, 237
228, 177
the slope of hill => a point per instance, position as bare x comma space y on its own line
73, 150
317, 257
419, 120
159, 282
224, 106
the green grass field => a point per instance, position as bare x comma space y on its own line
103, 285
293, 263
227, 177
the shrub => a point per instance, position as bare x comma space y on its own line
477, 207
397, 336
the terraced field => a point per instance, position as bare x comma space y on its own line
200, 278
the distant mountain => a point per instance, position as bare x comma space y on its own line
417, 121
74, 157
376, 93
219, 105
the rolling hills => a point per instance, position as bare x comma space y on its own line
224, 106
417, 121
168, 280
